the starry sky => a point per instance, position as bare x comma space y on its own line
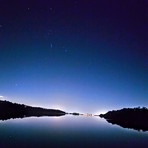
75, 55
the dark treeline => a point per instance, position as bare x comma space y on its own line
13, 110
135, 118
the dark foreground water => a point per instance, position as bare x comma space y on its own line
68, 131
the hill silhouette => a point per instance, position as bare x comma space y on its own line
10, 110
135, 118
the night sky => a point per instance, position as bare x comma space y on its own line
75, 55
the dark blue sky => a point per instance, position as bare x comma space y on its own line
76, 55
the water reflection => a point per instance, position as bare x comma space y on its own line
125, 124
67, 131
9, 117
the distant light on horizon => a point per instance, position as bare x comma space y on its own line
100, 112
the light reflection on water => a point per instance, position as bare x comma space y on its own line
68, 131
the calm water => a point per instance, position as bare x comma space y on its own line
68, 131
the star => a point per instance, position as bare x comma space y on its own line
51, 9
